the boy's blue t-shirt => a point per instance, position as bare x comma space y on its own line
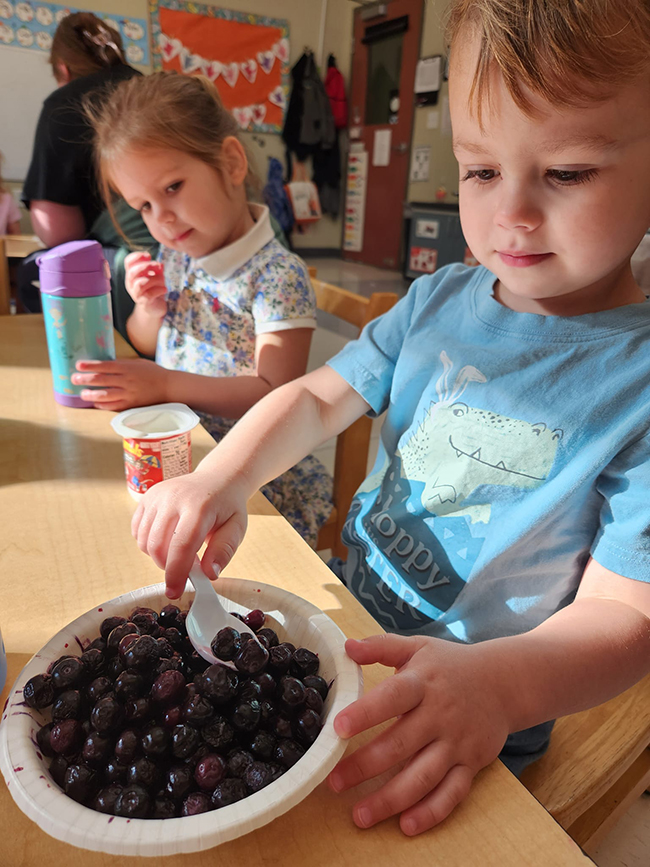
515, 446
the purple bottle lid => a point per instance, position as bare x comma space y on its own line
74, 270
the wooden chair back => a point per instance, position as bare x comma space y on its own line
352, 445
597, 764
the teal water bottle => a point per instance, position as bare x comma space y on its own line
76, 298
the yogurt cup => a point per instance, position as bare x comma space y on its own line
157, 443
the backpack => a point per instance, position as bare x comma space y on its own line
276, 198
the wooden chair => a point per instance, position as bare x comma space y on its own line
597, 764
13, 247
351, 456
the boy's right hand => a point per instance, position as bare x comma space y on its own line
174, 518
145, 283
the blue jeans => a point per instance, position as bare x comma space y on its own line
521, 748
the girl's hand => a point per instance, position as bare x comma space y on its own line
175, 517
145, 283
451, 720
118, 385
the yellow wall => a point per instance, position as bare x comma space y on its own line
443, 170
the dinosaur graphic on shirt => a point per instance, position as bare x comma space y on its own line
456, 448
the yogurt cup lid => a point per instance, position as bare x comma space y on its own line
156, 422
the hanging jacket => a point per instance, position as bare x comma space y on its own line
335, 89
276, 198
309, 123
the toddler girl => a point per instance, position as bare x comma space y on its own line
226, 310
9, 211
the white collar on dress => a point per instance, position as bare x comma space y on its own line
223, 263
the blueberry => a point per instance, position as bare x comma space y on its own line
178, 781
307, 727
163, 808
97, 688
287, 752
267, 684
195, 803
69, 673
226, 644
127, 746
107, 715
106, 799
252, 658
66, 737
303, 663
262, 745
93, 661
138, 710
156, 741
38, 692
43, 740
58, 767
117, 634
143, 653
279, 660
313, 700
146, 619
219, 734
134, 802
237, 761
246, 716
109, 624
315, 681
68, 705
220, 684
268, 637
258, 775
115, 771
291, 692
185, 740
168, 688
144, 772
128, 685
228, 791
209, 771
80, 783
198, 711
255, 619
172, 716
96, 749
169, 616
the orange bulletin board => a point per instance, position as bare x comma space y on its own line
246, 56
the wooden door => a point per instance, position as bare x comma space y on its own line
386, 49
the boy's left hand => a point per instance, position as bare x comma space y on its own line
451, 720
118, 385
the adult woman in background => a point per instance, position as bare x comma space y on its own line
61, 189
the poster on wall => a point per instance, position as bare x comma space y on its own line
246, 56
355, 201
33, 24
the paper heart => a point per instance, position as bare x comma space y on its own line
249, 70
259, 113
230, 73
243, 116
192, 62
277, 97
169, 48
266, 59
211, 68
281, 50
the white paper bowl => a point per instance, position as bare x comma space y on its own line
28, 779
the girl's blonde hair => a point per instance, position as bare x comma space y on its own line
165, 110
85, 44
568, 52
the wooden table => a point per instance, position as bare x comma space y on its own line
13, 247
65, 546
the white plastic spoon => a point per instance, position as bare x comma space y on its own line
207, 616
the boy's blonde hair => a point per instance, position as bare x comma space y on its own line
165, 110
568, 52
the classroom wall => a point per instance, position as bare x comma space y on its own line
443, 171
304, 17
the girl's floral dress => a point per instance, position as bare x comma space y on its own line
210, 329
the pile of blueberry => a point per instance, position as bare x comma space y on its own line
144, 727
